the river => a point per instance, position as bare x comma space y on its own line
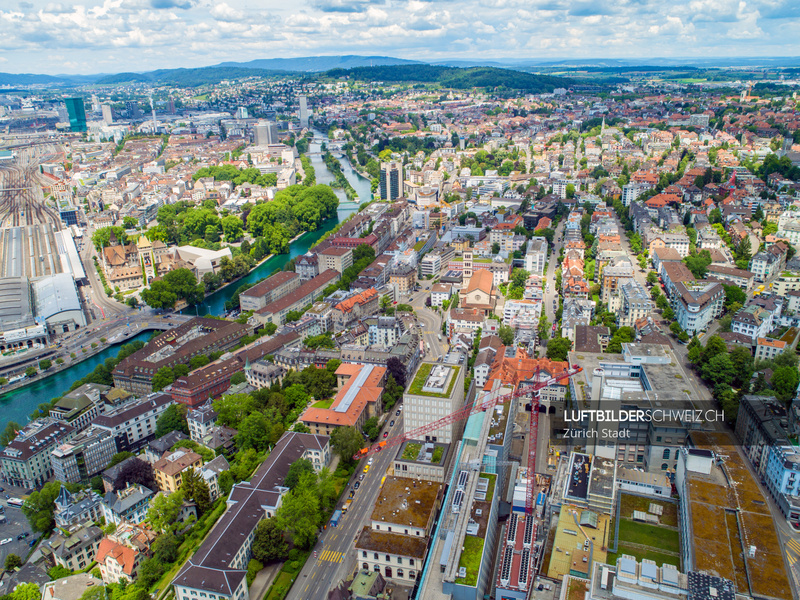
20, 403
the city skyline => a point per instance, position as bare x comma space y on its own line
89, 37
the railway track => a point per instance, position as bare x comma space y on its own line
21, 200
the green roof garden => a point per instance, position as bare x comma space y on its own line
471, 560
423, 374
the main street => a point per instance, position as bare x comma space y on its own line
336, 558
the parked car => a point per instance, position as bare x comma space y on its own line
357, 485
385, 434
397, 414
391, 423
6, 541
366, 469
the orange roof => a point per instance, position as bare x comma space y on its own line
481, 280
123, 555
770, 343
360, 298
521, 367
370, 391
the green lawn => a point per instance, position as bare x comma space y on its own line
659, 538
631, 503
471, 559
411, 451
323, 403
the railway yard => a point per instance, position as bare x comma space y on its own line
30, 243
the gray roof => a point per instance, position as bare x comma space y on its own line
15, 303
54, 295
121, 505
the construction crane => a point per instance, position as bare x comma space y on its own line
540, 380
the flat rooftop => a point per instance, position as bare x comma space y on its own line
406, 501
435, 380
716, 500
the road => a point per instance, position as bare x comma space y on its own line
430, 322
336, 554
551, 293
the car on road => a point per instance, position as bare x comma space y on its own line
366, 469
397, 414
8, 497
357, 485
352, 492
371, 460
361, 477
6, 541
385, 433
391, 423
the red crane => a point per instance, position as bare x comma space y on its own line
531, 388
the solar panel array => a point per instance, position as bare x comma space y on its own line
505, 569
523, 567
462, 479
457, 500
528, 537
512, 529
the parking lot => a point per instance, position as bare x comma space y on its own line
15, 524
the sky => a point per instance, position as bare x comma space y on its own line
110, 36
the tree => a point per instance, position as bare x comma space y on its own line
495, 248
300, 513
172, 419
30, 372
346, 441
150, 571
232, 409
734, 294
9, 434
719, 369
184, 284
165, 548
652, 278
715, 345
254, 432
558, 348
397, 370
296, 470
371, 429
26, 591
164, 511
40, 506
269, 544
134, 472
318, 382
45, 364
668, 313
12, 562
233, 228
159, 295
506, 334
162, 378
698, 263
238, 378
784, 382
675, 328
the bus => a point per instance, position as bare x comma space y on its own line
15, 502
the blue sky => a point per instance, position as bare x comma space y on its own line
91, 36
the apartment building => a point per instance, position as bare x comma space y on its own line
26, 461
635, 302
84, 456
271, 289
436, 391
697, 304
335, 258
170, 469
133, 424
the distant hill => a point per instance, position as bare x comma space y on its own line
315, 64
30, 79
454, 77
186, 77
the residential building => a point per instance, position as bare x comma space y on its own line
618, 269
463, 320
76, 550
697, 304
536, 256
390, 181
307, 266
271, 289
435, 391
77, 509
133, 424
201, 421
25, 462
170, 469
304, 295
347, 313
210, 473
765, 266
335, 258
198, 336
118, 561
752, 321
129, 504
155, 449
264, 373
219, 566
635, 302
402, 277
359, 398
84, 456
731, 276
384, 331
440, 292
395, 542
662, 256
767, 348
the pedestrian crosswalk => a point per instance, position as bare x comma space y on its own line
331, 556
794, 546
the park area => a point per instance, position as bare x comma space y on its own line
656, 541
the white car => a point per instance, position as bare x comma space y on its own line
369, 462
6, 541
